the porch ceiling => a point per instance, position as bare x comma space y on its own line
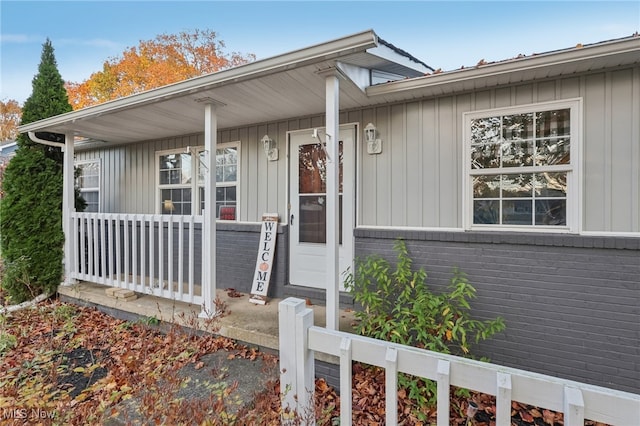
296, 92
271, 98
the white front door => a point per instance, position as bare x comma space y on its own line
307, 258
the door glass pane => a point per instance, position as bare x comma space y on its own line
313, 228
311, 169
312, 188
313, 212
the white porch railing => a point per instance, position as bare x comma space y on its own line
151, 254
299, 340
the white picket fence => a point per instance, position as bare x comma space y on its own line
151, 254
299, 340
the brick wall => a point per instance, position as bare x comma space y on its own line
237, 248
571, 304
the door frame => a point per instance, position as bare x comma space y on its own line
350, 251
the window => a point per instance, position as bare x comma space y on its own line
180, 193
226, 180
520, 165
88, 181
175, 182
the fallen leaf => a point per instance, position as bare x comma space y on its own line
548, 416
524, 415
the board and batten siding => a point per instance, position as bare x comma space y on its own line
129, 181
416, 181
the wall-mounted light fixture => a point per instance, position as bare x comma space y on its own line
374, 144
270, 148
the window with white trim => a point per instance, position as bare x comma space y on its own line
521, 164
180, 193
88, 181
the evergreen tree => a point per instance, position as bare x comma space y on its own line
48, 98
31, 234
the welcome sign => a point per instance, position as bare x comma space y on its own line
264, 262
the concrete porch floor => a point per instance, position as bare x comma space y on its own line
255, 325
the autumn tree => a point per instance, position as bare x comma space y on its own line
10, 113
31, 208
167, 59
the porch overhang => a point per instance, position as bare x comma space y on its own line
263, 91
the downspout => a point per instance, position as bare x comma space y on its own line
68, 197
33, 137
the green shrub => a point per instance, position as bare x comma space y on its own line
398, 306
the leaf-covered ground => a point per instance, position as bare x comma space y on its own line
64, 364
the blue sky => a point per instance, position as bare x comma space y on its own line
445, 35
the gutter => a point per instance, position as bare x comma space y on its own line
33, 137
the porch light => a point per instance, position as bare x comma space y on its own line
374, 144
270, 148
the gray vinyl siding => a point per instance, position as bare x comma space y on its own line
129, 171
416, 181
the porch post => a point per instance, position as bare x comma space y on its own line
68, 206
209, 214
332, 86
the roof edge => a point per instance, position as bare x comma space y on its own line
556, 57
404, 53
